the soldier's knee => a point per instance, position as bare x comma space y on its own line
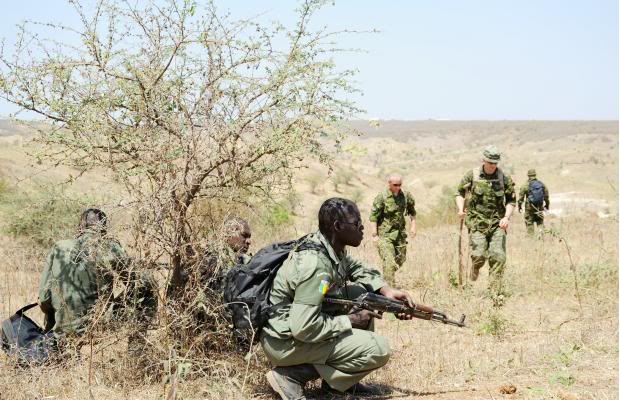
381, 351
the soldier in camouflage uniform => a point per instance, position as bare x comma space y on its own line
491, 204
79, 272
305, 339
388, 225
234, 250
534, 213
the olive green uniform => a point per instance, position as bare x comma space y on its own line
78, 272
304, 331
489, 196
388, 211
532, 213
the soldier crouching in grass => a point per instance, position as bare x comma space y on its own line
305, 339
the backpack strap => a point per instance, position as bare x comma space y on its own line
25, 308
475, 174
500, 178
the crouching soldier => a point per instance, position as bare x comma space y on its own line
81, 271
305, 339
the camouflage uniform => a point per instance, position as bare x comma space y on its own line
304, 331
388, 211
490, 194
212, 273
533, 214
78, 272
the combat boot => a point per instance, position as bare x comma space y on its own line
289, 382
358, 389
474, 273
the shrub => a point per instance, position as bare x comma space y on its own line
43, 217
342, 176
443, 212
430, 184
276, 215
495, 325
315, 181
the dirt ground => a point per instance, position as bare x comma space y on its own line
556, 337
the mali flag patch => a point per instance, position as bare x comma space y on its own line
323, 286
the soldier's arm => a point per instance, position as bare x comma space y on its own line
412, 212
376, 214
45, 291
509, 190
546, 196
462, 189
522, 193
121, 262
307, 322
360, 272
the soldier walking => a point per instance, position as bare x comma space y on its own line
389, 227
536, 197
491, 204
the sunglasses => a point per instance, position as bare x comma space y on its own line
359, 225
396, 184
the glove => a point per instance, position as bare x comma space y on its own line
360, 318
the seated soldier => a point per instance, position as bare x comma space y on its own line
305, 339
237, 240
79, 272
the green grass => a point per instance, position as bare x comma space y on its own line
44, 216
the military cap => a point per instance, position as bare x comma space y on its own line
491, 154
531, 172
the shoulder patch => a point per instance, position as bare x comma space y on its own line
324, 286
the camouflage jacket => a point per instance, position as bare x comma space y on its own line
76, 274
523, 195
488, 197
388, 211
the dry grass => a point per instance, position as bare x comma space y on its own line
540, 341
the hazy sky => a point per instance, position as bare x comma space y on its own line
454, 59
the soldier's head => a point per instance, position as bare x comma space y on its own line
238, 234
531, 173
93, 219
490, 158
340, 220
394, 183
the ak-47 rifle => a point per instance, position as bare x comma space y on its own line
378, 303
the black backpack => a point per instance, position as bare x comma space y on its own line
535, 192
247, 286
23, 339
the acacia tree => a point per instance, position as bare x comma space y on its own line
180, 103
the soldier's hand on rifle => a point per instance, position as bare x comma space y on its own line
375, 237
360, 318
398, 294
461, 214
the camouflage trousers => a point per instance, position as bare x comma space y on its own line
489, 245
393, 254
533, 216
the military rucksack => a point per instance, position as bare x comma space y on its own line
535, 193
25, 340
247, 286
